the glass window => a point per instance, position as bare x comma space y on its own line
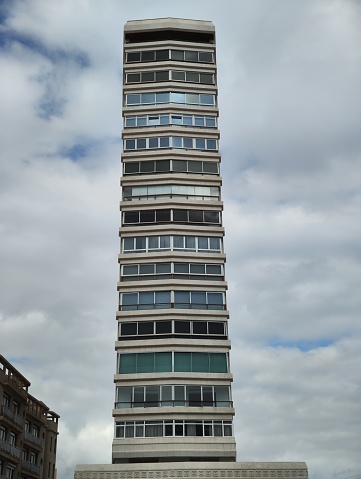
164, 120
192, 77
162, 165
177, 55
216, 328
147, 76
153, 142
140, 243
131, 217
130, 121
128, 329
215, 244
162, 299
163, 97
206, 57
147, 216
179, 165
147, 166
148, 56
198, 299
178, 75
141, 121
180, 216
178, 97
163, 362
195, 166
182, 327
190, 56
190, 242
211, 144
199, 327
195, 216
199, 121
163, 216
162, 55
211, 217
206, 78
164, 142
200, 362
210, 121
210, 167
145, 363
133, 57
127, 363
132, 99
187, 120
153, 120
177, 142
141, 143
130, 144
133, 77
163, 327
145, 327
182, 362
148, 98
130, 269
206, 99
124, 397
181, 268
200, 143
187, 142
218, 363
181, 299
162, 75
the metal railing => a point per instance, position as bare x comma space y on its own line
29, 466
9, 448
171, 403
32, 438
12, 415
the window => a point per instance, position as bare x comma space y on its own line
162, 271
167, 119
175, 328
147, 244
193, 362
170, 395
147, 167
165, 75
177, 216
146, 300
175, 55
6, 400
170, 142
173, 427
159, 98
201, 193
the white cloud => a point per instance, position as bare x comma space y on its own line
289, 76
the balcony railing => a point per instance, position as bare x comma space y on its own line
172, 403
29, 466
12, 415
33, 439
9, 448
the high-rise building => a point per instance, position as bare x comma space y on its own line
173, 409
28, 429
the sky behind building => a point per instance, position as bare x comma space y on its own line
289, 77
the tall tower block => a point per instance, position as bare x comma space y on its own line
173, 380
173, 412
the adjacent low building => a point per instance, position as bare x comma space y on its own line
28, 429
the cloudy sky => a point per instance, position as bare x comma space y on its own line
289, 74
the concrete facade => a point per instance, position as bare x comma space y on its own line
28, 429
173, 411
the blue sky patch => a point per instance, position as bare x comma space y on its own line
55, 55
301, 345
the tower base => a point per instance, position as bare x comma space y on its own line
194, 470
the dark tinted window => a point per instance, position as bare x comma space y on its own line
145, 327
199, 327
215, 328
162, 327
182, 327
129, 329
